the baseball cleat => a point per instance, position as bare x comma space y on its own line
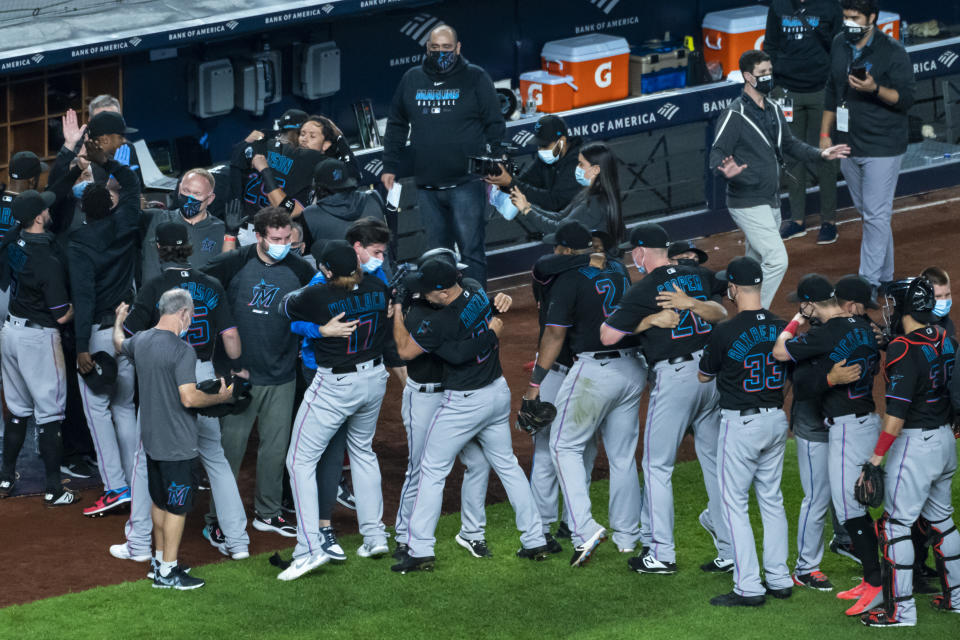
477, 548
582, 553
330, 544
942, 603
537, 553
6, 488
177, 579
734, 599
77, 470
109, 500
552, 545
409, 563
880, 618
779, 594
814, 580
717, 565
345, 495
852, 594
871, 598
646, 563
67, 496
704, 520
563, 531
401, 550
276, 524
373, 550
300, 566
215, 537
845, 550
122, 551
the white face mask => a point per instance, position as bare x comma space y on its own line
372, 264
549, 156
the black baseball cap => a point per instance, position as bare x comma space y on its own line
549, 129
107, 122
609, 244
102, 377
340, 258
332, 174
436, 274
649, 236
291, 119
571, 234
742, 271
29, 204
853, 288
172, 234
676, 248
812, 288
25, 165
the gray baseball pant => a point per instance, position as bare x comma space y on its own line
543, 473
812, 461
751, 453
232, 517
762, 242
483, 414
678, 400
600, 396
331, 401
417, 410
42, 393
112, 418
851, 444
873, 183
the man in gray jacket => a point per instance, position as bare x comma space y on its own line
748, 150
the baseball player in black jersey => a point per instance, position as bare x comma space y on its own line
849, 412
34, 372
212, 321
347, 390
601, 394
753, 435
672, 310
476, 404
921, 456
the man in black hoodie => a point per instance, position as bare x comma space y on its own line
798, 38
452, 111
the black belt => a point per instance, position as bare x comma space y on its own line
352, 368
936, 428
606, 355
559, 368
430, 388
681, 359
857, 415
29, 324
754, 411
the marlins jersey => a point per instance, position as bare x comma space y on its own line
38, 279
545, 272
582, 299
918, 370
641, 301
842, 338
211, 312
465, 318
292, 169
740, 354
428, 367
7, 221
366, 303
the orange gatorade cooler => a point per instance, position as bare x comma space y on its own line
889, 23
728, 34
599, 65
549, 92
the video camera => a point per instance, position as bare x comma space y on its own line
489, 165
398, 284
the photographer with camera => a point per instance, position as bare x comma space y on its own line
549, 182
451, 110
596, 206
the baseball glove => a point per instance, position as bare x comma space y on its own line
869, 488
535, 415
240, 401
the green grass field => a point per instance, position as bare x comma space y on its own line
467, 598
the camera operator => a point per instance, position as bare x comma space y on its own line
549, 182
451, 110
337, 205
596, 206
870, 90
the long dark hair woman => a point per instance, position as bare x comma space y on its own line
597, 206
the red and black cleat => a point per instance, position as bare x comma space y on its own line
881, 618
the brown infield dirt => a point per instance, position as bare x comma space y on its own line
48, 552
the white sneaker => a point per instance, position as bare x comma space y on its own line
122, 552
240, 555
373, 551
301, 566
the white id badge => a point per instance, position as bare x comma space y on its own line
786, 105
843, 119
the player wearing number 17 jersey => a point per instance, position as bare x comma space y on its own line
671, 309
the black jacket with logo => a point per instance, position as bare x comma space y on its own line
551, 186
798, 39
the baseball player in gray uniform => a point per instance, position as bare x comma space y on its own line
476, 404
753, 435
921, 456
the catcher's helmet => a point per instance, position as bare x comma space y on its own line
910, 296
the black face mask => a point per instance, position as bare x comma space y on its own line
440, 62
854, 33
764, 85
189, 207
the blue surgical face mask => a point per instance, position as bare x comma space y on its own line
372, 264
549, 156
278, 251
639, 265
189, 206
581, 176
942, 307
78, 189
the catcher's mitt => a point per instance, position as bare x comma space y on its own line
535, 415
869, 488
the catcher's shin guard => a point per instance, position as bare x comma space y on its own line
888, 568
945, 541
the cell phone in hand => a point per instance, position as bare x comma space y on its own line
859, 72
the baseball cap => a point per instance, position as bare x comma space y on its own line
435, 274
609, 244
676, 248
743, 271
332, 174
649, 236
25, 165
101, 379
291, 119
29, 204
339, 257
172, 234
571, 234
853, 288
107, 122
549, 129
812, 288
